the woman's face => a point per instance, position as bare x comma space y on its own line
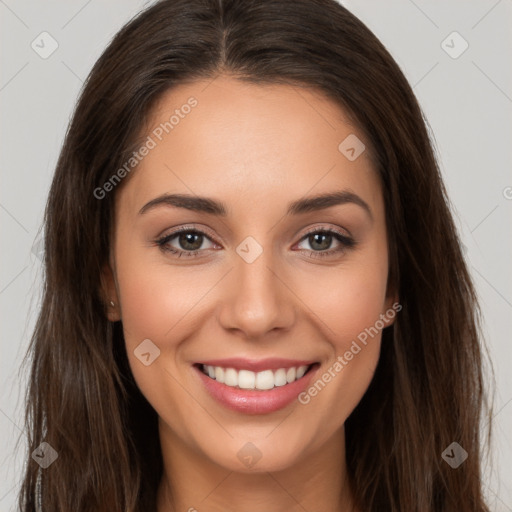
265, 279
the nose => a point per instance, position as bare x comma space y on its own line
257, 299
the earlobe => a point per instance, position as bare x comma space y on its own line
108, 294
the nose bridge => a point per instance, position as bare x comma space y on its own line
258, 301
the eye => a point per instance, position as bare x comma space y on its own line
321, 240
189, 241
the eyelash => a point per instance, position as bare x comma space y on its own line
345, 241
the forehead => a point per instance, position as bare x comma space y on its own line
232, 139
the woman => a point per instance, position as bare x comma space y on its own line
255, 295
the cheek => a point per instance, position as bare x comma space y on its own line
351, 298
155, 298
161, 304
142, 297
154, 305
349, 303
352, 313
150, 307
353, 303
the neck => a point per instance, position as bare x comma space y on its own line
191, 482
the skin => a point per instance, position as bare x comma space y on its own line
256, 148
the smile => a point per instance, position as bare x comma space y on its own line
246, 379
255, 387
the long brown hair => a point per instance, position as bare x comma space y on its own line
428, 389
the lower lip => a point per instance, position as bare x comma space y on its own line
253, 401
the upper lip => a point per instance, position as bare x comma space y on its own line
240, 363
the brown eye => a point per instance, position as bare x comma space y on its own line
184, 242
191, 241
321, 242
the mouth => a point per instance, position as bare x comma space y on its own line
255, 387
250, 380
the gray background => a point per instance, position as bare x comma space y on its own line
467, 101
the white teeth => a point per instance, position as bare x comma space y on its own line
219, 374
280, 377
230, 377
265, 379
301, 370
246, 379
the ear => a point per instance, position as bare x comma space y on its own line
391, 305
109, 294
391, 308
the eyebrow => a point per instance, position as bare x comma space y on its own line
213, 207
